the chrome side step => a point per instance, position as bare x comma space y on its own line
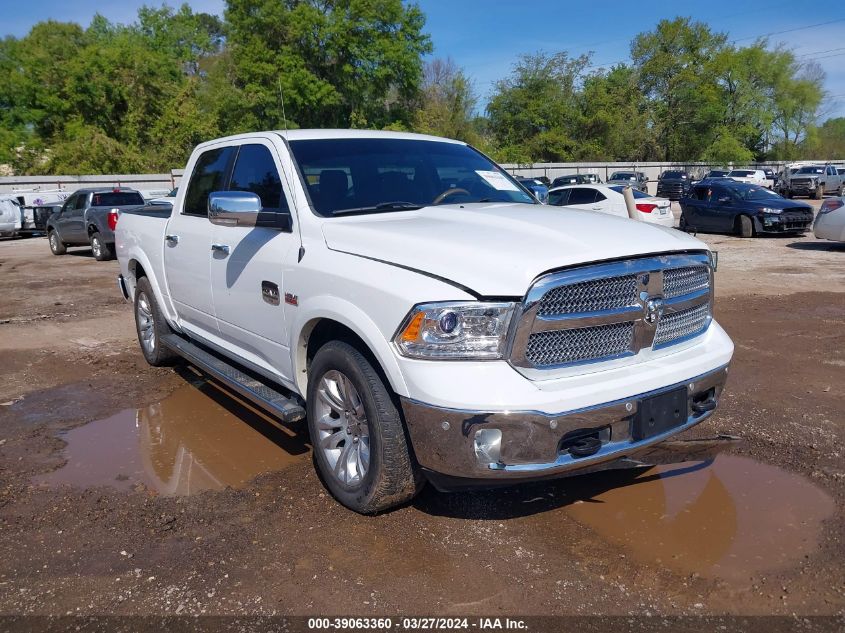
247, 386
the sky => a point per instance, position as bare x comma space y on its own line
485, 37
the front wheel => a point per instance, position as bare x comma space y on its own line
56, 245
746, 226
360, 448
101, 250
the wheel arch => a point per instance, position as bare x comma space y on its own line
351, 326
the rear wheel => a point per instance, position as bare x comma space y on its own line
360, 448
101, 250
746, 226
56, 245
151, 326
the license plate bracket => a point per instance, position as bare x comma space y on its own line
660, 413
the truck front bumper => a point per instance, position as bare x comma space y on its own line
492, 446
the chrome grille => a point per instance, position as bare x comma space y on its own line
609, 310
680, 324
684, 281
590, 296
558, 347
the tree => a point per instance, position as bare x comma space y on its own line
447, 103
532, 111
674, 65
614, 122
338, 63
830, 140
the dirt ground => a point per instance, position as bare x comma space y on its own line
126, 489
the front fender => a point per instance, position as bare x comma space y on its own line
313, 309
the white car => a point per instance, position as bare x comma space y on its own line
750, 176
610, 199
10, 216
830, 220
426, 316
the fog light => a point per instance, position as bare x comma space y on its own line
488, 445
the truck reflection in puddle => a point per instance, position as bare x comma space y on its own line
198, 438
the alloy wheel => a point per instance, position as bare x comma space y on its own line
146, 323
344, 431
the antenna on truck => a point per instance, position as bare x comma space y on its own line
282, 99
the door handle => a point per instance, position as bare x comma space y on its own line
220, 248
172, 239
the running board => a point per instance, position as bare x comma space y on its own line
247, 386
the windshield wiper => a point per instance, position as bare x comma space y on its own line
384, 206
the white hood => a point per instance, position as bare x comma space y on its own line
496, 249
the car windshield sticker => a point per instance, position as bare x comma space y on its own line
497, 180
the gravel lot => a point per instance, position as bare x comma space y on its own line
127, 489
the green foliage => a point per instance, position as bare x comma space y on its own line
530, 111
139, 97
447, 103
115, 98
829, 140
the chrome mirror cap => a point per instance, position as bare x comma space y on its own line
233, 208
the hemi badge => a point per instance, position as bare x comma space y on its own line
292, 299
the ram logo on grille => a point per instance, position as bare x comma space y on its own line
609, 311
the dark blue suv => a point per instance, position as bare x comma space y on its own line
723, 205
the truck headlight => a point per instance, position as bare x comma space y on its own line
455, 330
769, 210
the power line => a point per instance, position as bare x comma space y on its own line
830, 50
800, 28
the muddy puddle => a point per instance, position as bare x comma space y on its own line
198, 438
726, 519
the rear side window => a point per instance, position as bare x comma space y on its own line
582, 195
117, 199
209, 175
256, 171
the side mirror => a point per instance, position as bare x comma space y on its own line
243, 208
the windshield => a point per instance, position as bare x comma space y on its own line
755, 193
637, 193
674, 174
623, 175
117, 199
811, 170
375, 175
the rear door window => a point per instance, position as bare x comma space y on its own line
210, 174
255, 171
582, 195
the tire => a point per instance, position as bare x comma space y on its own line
102, 251
819, 194
151, 326
842, 190
746, 226
56, 246
349, 403
682, 224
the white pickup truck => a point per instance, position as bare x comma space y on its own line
426, 315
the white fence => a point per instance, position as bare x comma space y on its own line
141, 182
165, 182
